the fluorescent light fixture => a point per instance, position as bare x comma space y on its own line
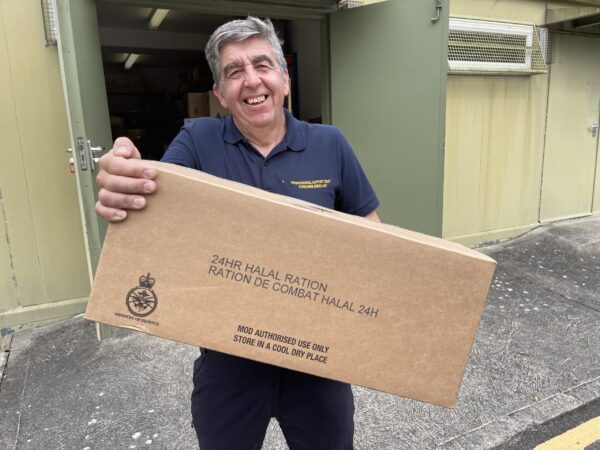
130, 61
158, 15
49, 14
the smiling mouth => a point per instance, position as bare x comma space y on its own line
255, 100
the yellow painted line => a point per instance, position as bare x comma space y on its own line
576, 438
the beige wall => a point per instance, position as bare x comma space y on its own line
494, 147
494, 140
495, 131
525, 11
43, 270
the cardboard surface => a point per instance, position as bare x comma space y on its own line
216, 110
232, 268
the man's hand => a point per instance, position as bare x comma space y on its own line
373, 216
124, 181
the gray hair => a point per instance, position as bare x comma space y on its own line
237, 31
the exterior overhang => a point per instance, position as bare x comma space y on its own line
576, 16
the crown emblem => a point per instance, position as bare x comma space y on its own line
146, 281
142, 300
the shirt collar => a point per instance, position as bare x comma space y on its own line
231, 134
295, 133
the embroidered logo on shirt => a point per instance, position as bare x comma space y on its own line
311, 184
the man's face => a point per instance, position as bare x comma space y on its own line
253, 86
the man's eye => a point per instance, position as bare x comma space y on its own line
263, 67
234, 74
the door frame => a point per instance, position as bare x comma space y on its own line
94, 229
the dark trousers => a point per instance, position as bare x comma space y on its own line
234, 399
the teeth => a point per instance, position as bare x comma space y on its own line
255, 100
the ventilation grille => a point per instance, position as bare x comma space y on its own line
479, 46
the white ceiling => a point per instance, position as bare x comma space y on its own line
178, 42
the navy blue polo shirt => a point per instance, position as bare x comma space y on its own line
313, 162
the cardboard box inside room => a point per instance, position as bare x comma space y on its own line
232, 268
215, 107
203, 104
198, 104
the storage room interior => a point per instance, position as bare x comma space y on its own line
157, 77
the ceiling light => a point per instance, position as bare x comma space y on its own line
130, 61
158, 15
49, 14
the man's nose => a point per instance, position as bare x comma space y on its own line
251, 78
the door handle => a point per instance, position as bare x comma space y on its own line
94, 153
438, 11
594, 129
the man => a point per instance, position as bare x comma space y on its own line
262, 145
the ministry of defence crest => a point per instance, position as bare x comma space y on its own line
142, 300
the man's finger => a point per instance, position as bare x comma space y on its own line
124, 148
125, 185
110, 164
110, 214
120, 200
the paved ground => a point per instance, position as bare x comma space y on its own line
535, 361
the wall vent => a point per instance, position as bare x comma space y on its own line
481, 46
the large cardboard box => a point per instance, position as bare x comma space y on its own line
239, 270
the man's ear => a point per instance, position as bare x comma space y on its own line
219, 95
286, 77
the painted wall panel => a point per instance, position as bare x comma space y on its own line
41, 206
494, 140
494, 144
388, 98
13, 183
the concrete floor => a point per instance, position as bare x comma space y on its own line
535, 361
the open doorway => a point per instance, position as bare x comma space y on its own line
157, 78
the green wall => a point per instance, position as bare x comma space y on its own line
388, 87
